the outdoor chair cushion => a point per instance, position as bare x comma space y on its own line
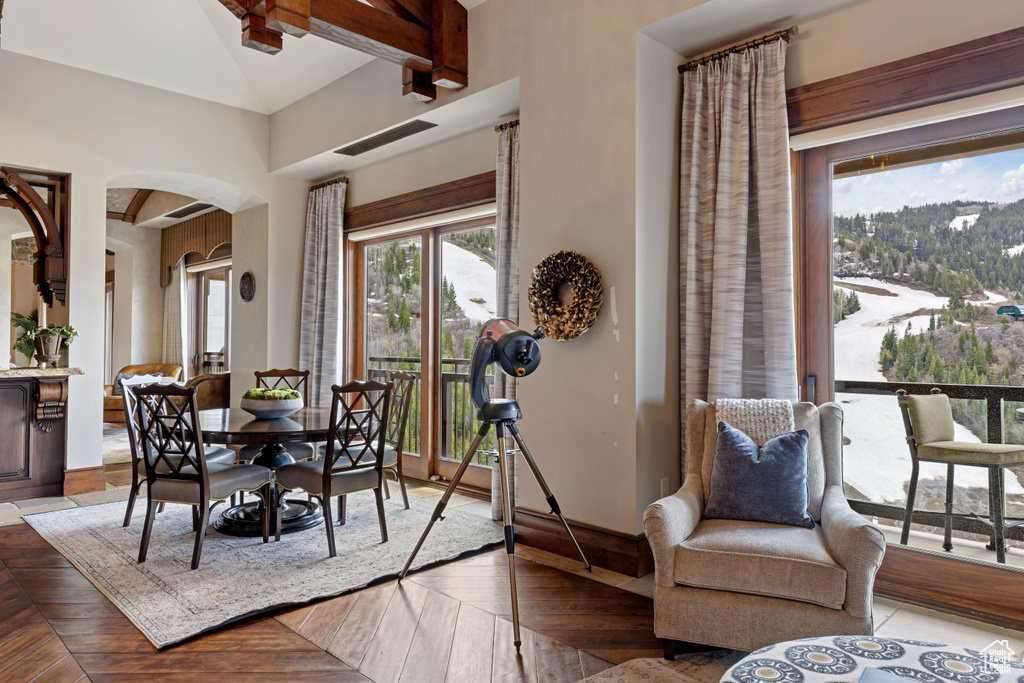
931, 418
756, 558
964, 453
225, 479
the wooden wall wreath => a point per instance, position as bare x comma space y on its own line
563, 323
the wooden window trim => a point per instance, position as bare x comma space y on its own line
971, 68
430, 201
956, 585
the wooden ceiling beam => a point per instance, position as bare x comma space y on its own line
372, 31
288, 16
237, 7
419, 11
257, 36
417, 85
136, 205
450, 46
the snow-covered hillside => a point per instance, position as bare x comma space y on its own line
964, 222
473, 278
877, 460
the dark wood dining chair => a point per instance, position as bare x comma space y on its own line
222, 455
283, 379
358, 422
177, 470
394, 439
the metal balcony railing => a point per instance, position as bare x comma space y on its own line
458, 414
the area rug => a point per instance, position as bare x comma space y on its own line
241, 577
116, 448
701, 667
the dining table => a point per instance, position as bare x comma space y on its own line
235, 427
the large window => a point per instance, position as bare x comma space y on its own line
907, 266
423, 298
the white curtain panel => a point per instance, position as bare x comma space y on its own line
507, 240
175, 329
737, 320
320, 328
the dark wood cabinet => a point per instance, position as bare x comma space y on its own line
32, 437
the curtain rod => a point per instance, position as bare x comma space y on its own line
784, 34
328, 183
507, 124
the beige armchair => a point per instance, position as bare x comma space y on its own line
746, 585
113, 407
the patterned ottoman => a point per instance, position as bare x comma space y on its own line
838, 659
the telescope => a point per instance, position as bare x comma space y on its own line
516, 353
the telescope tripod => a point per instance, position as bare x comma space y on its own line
502, 415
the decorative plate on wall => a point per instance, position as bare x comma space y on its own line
247, 286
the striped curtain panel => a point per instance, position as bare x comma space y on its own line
736, 248
507, 242
320, 327
175, 329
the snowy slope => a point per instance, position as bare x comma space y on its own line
962, 222
472, 278
877, 461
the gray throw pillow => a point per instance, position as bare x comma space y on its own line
767, 484
119, 390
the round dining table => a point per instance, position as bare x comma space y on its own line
235, 427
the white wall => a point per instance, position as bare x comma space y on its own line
138, 297
97, 127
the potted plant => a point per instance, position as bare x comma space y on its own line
50, 341
25, 342
271, 403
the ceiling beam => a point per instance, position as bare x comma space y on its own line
427, 37
419, 11
136, 205
372, 31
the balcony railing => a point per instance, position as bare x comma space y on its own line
458, 414
995, 398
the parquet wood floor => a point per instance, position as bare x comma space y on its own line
448, 624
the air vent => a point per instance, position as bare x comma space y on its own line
189, 210
385, 138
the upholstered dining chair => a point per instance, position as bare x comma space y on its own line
358, 422
928, 420
283, 379
394, 437
746, 585
131, 416
177, 470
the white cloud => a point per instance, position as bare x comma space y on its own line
916, 195
951, 167
1012, 183
939, 181
961, 187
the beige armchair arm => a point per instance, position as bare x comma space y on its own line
856, 544
670, 521
108, 389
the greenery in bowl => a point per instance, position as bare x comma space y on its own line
272, 394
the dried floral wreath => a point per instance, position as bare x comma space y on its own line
563, 323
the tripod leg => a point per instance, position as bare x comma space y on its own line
484, 428
547, 491
506, 516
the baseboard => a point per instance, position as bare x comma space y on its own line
614, 550
84, 480
974, 589
41, 491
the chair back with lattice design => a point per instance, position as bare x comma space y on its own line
359, 419
285, 379
401, 399
131, 418
171, 447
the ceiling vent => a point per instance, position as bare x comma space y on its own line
386, 138
187, 211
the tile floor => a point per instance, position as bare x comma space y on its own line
892, 618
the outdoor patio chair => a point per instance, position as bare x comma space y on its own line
928, 420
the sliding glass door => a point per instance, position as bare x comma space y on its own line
423, 297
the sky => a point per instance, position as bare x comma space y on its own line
995, 177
